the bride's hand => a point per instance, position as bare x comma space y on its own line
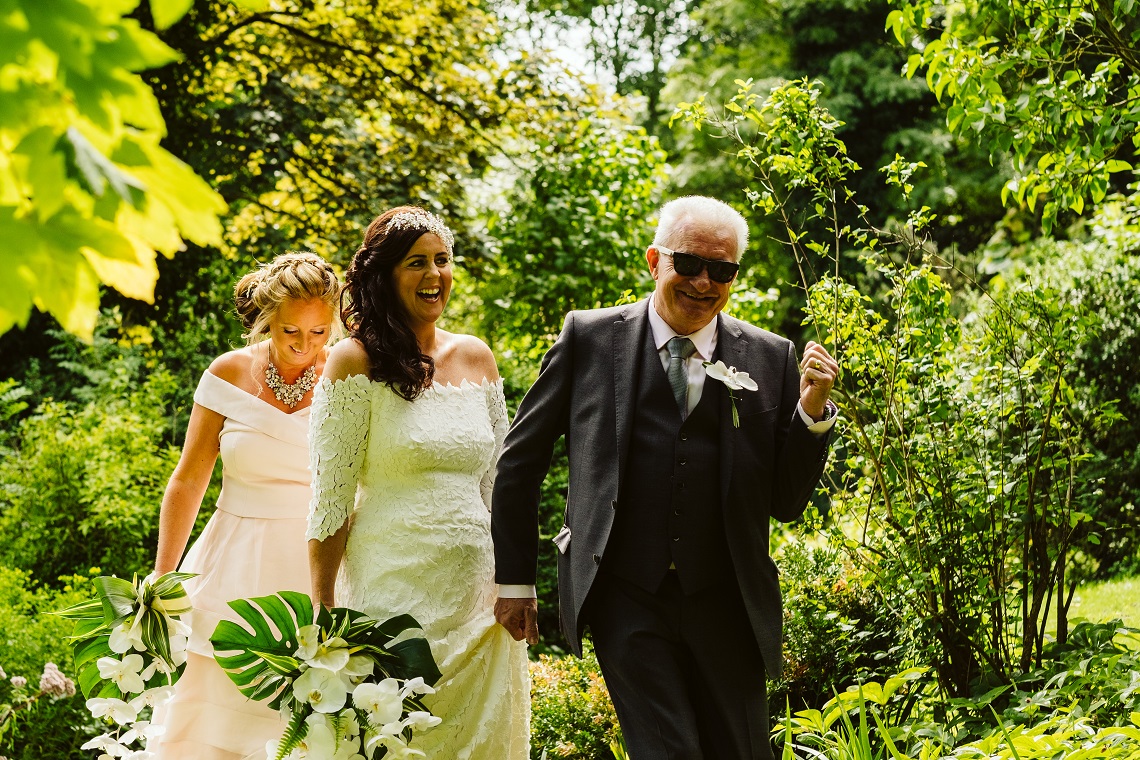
519, 617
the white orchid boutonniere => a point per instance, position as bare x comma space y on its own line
733, 380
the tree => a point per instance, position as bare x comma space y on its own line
958, 480
840, 45
87, 193
1055, 87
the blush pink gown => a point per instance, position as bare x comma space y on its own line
253, 545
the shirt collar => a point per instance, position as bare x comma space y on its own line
704, 339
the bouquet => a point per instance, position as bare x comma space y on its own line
130, 648
350, 686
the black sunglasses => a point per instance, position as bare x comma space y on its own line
690, 265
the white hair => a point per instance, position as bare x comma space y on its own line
705, 211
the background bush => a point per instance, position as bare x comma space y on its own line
29, 637
571, 712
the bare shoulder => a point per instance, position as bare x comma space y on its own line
476, 356
233, 366
347, 358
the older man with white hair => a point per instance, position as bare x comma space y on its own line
686, 430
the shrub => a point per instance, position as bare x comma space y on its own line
571, 712
838, 628
30, 638
82, 486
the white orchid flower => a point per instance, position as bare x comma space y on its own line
397, 748
123, 673
110, 745
320, 738
308, 639
737, 381
416, 686
125, 637
382, 701
322, 689
421, 720
142, 729
154, 697
157, 665
116, 709
332, 655
139, 754
359, 666
348, 725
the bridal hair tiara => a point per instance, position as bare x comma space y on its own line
418, 219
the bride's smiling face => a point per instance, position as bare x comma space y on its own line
422, 280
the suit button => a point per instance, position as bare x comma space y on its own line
680, 486
613, 504
677, 512
683, 462
676, 538
684, 436
597, 559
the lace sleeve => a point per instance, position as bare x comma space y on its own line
500, 422
338, 440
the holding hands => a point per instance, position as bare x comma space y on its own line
817, 376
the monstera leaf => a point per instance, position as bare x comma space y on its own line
261, 658
263, 663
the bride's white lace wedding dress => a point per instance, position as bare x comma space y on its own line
415, 479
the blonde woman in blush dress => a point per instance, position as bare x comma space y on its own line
251, 408
406, 430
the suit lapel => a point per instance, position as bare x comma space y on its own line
731, 346
628, 333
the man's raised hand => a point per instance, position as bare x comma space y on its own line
817, 376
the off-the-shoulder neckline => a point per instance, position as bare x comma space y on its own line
436, 386
260, 400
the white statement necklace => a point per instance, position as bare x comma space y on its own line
289, 394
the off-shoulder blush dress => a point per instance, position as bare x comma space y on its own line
253, 545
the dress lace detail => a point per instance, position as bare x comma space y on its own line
339, 440
500, 424
416, 478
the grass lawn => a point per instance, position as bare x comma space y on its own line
1101, 602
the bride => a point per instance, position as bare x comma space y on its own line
406, 428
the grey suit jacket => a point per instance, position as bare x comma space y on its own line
585, 391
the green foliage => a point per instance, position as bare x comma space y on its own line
29, 637
577, 230
963, 441
84, 484
87, 195
1054, 87
571, 712
828, 598
840, 44
1098, 269
1082, 705
265, 656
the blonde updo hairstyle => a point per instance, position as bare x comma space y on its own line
300, 276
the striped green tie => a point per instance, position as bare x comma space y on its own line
680, 349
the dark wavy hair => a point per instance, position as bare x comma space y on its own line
373, 314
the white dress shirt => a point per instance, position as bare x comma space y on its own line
705, 340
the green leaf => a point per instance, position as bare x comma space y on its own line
167, 12
117, 596
262, 653
96, 171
